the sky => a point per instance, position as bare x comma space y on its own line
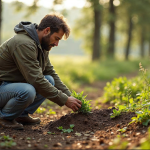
47, 3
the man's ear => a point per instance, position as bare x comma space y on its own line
47, 30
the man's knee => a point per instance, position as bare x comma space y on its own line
50, 79
28, 94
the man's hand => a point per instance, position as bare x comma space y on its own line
73, 103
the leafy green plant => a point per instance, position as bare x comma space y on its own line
115, 113
142, 117
66, 130
8, 141
85, 108
40, 110
51, 112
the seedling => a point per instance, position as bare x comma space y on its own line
85, 108
66, 130
8, 141
115, 113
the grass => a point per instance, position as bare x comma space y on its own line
77, 70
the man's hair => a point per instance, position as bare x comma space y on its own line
56, 22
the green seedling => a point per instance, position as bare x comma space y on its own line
6, 138
115, 113
66, 130
8, 144
40, 110
72, 126
51, 112
8, 141
85, 108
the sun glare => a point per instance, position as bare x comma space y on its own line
45, 3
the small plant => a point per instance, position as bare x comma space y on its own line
8, 141
51, 112
85, 108
40, 110
115, 113
66, 130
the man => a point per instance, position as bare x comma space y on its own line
27, 77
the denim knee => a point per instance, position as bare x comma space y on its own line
50, 79
28, 95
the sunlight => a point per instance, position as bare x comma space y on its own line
45, 3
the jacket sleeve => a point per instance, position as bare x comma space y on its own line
25, 57
58, 83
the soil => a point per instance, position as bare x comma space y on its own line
95, 130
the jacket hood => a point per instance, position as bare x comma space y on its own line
29, 28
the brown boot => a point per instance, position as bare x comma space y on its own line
11, 124
28, 120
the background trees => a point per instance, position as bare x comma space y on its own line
107, 28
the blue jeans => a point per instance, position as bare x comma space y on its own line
19, 99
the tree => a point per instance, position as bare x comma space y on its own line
97, 25
112, 18
88, 26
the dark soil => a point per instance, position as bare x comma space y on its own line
95, 130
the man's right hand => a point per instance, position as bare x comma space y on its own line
73, 103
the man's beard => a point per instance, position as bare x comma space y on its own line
45, 43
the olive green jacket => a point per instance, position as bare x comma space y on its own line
23, 60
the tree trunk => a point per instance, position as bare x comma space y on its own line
111, 42
142, 42
129, 38
97, 23
0, 20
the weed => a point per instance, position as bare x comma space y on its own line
51, 112
115, 113
8, 141
40, 110
66, 130
85, 108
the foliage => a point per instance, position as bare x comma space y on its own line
40, 110
8, 141
66, 130
83, 71
115, 113
51, 112
139, 103
85, 107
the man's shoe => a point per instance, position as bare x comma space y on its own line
11, 124
28, 120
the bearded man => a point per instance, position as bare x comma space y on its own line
27, 77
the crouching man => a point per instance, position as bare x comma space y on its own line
27, 77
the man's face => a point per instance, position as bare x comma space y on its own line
51, 40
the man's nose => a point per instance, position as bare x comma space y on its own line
56, 43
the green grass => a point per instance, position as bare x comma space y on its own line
77, 70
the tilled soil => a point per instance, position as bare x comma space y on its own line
95, 130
